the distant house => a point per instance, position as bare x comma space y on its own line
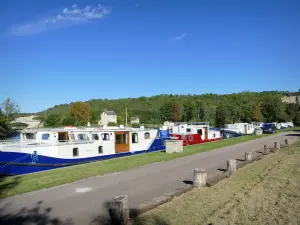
108, 116
134, 119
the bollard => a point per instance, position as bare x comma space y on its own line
248, 156
200, 176
231, 165
276, 145
119, 212
287, 141
265, 149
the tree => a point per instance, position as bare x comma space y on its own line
68, 121
222, 115
95, 115
297, 118
176, 111
273, 109
166, 112
81, 111
9, 108
189, 111
52, 120
5, 129
256, 113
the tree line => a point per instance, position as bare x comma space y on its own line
216, 109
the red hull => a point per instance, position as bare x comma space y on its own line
193, 139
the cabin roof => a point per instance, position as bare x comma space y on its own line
110, 112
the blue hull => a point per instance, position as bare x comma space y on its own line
12, 163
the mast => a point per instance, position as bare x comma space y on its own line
126, 117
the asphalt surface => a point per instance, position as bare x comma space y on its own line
86, 201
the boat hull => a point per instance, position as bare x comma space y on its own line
193, 139
15, 163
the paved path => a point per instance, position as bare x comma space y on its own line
85, 200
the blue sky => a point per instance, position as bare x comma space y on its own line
55, 52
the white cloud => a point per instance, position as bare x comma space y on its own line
180, 37
66, 17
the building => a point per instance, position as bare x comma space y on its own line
108, 116
134, 119
291, 99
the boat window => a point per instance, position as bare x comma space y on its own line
190, 138
199, 131
125, 139
188, 130
30, 136
45, 136
100, 149
134, 138
147, 135
118, 138
95, 137
62, 136
75, 152
81, 137
214, 135
105, 137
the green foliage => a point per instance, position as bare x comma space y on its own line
297, 118
135, 125
256, 113
273, 109
111, 124
171, 111
189, 111
52, 120
240, 107
5, 128
68, 121
81, 111
9, 109
222, 115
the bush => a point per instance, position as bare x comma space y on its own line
111, 124
135, 125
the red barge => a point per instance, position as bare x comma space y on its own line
193, 132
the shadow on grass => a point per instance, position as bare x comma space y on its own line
4, 185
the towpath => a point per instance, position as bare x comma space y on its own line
85, 202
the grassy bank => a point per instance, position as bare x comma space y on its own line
264, 192
31, 182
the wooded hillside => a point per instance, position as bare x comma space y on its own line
230, 108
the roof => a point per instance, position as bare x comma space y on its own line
134, 118
110, 112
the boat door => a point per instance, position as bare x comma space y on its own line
121, 141
245, 129
205, 133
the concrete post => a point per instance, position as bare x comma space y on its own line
265, 149
119, 212
276, 145
287, 141
231, 165
200, 176
248, 156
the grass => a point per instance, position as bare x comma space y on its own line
51, 178
264, 192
